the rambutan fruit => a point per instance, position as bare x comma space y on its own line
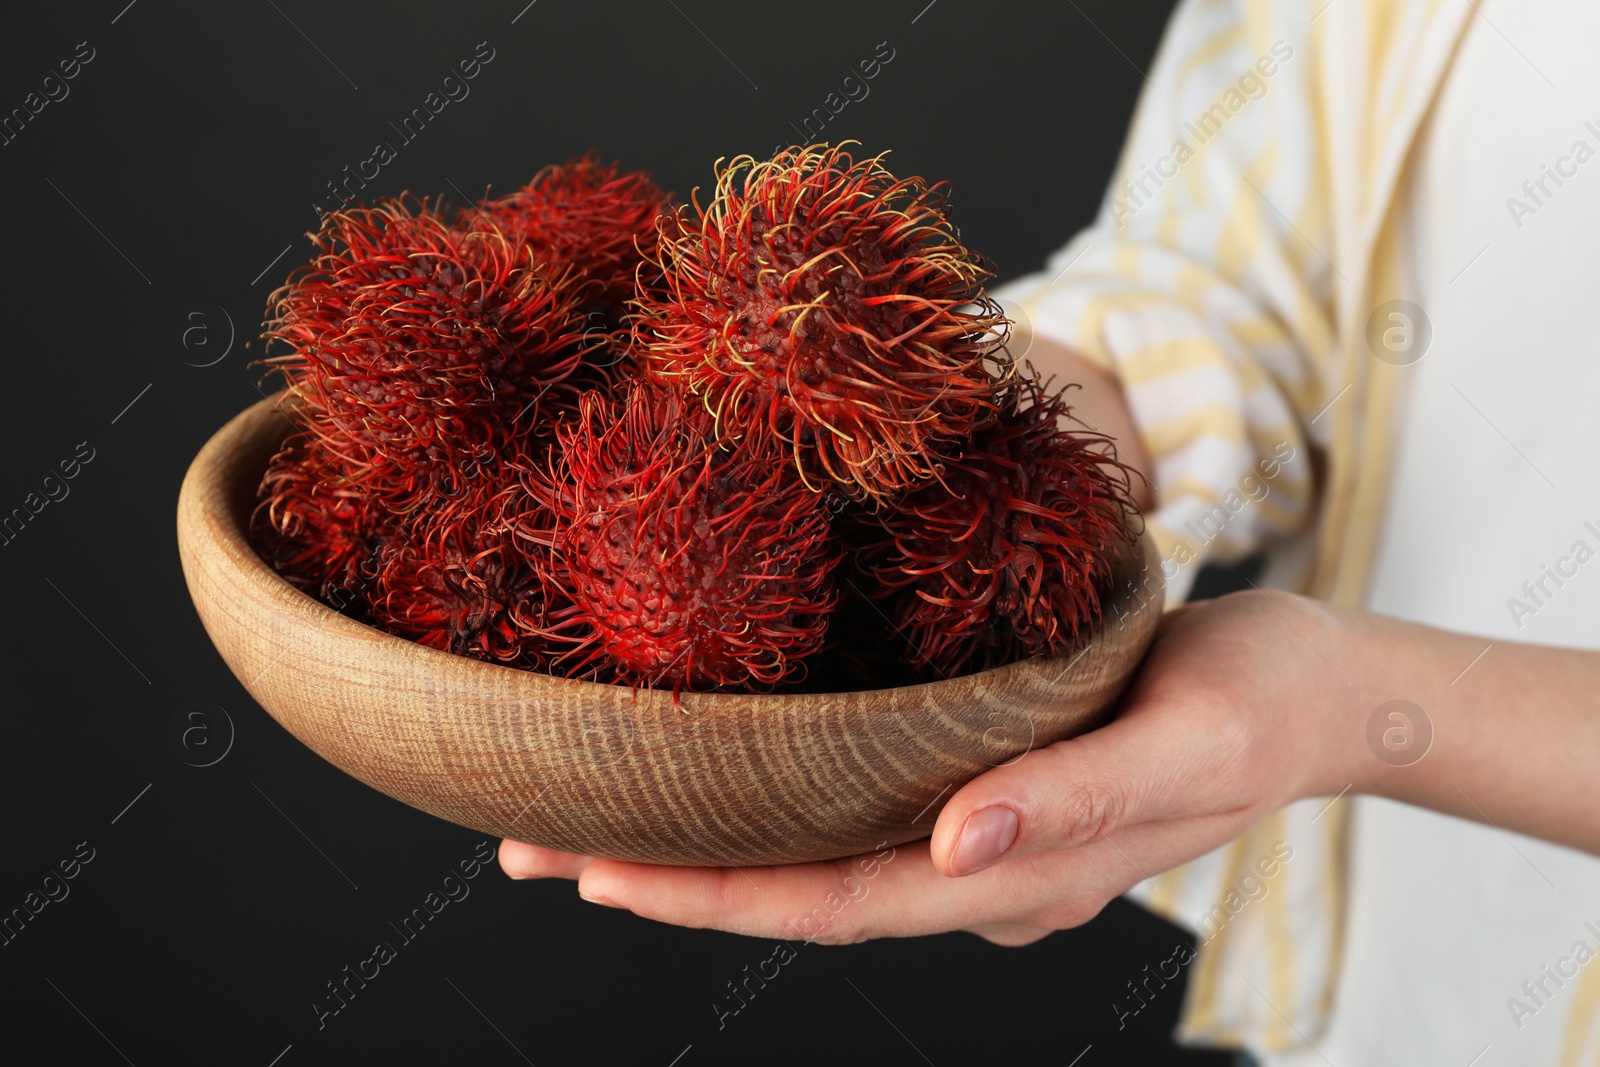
835, 304
692, 561
771, 443
424, 351
317, 526
457, 582
590, 216
1011, 555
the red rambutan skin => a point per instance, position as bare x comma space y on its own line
318, 527
457, 581
694, 562
590, 216
424, 351
835, 304
1011, 555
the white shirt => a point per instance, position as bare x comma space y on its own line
1228, 298
1494, 485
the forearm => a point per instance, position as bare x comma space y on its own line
1516, 731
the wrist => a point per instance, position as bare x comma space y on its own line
1360, 685
1339, 693
1386, 718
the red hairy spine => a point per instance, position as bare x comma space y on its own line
1011, 555
692, 561
833, 304
317, 526
459, 583
424, 352
595, 218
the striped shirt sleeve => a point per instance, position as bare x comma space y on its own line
1201, 287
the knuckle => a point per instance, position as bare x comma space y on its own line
831, 931
1232, 746
847, 935
836, 919
1089, 811
722, 894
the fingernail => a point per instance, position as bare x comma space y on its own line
596, 898
984, 839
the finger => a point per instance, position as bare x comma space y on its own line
901, 894
1144, 766
530, 861
800, 902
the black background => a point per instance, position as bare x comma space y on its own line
186, 157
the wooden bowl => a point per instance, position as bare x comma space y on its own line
718, 779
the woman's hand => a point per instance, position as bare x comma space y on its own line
1244, 704
1238, 710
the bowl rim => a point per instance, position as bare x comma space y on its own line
213, 476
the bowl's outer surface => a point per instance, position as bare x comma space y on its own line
718, 779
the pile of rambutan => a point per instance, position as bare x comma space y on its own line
772, 442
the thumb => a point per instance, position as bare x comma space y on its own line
1068, 794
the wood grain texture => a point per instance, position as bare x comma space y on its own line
718, 779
